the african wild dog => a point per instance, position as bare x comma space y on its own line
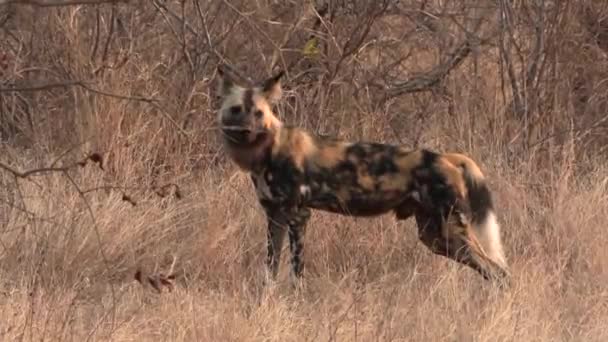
294, 171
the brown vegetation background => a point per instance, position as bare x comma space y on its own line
110, 167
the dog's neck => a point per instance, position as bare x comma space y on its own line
252, 158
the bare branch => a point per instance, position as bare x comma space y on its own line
160, 191
94, 157
431, 78
47, 86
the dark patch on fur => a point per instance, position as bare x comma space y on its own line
439, 195
293, 221
379, 159
286, 181
373, 160
247, 101
480, 198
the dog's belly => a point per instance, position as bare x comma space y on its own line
356, 203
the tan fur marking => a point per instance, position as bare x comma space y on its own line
330, 156
271, 122
302, 148
396, 182
458, 160
409, 161
401, 180
454, 176
279, 140
365, 180
295, 143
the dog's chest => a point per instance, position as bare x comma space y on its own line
283, 185
262, 183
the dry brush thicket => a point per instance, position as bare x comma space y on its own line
110, 167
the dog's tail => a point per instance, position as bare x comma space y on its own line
484, 222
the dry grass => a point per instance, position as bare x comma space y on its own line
368, 279
68, 256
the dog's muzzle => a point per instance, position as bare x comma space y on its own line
237, 135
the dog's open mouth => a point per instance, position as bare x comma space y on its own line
237, 134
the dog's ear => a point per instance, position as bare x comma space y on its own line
225, 82
271, 88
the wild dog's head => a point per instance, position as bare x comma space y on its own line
247, 122
245, 115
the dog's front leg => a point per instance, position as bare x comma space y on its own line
297, 222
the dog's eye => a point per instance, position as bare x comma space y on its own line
235, 110
258, 113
